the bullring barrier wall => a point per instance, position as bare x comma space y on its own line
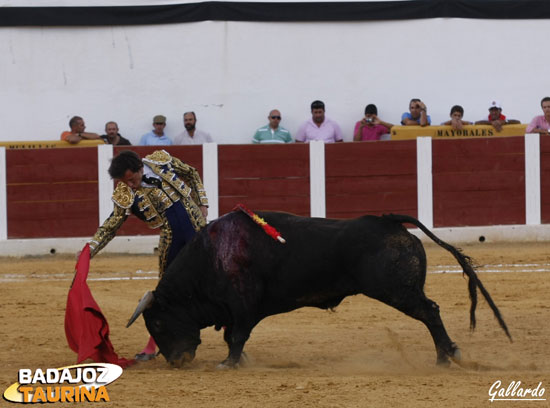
447, 183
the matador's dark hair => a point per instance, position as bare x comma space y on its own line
125, 160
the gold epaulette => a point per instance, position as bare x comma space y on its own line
123, 196
159, 157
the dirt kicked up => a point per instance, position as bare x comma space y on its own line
364, 354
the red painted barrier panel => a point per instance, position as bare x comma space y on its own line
371, 178
545, 178
52, 192
191, 155
478, 181
264, 177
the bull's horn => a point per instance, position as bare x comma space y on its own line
143, 304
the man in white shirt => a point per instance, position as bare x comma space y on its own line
191, 135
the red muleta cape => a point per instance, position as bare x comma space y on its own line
86, 328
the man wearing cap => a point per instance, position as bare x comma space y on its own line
191, 135
496, 118
156, 136
272, 132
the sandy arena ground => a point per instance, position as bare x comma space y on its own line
364, 354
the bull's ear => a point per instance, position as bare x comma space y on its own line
145, 302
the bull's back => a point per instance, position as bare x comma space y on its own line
328, 259
322, 261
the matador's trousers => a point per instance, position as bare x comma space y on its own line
180, 232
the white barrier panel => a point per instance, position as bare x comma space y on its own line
318, 206
210, 178
104, 182
532, 180
3, 196
424, 180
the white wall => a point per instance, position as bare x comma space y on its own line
232, 73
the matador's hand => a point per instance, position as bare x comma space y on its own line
204, 211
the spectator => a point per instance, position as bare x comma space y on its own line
319, 127
541, 124
191, 135
112, 136
456, 122
157, 135
370, 127
272, 132
417, 115
76, 134
496, 118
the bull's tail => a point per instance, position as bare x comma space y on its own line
467, 267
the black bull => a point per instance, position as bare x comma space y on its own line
234, 275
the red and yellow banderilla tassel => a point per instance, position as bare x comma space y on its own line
268, 229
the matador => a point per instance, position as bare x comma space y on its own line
163, 192
166, 194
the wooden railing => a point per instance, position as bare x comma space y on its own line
447, 132
49, 144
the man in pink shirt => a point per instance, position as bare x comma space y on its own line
319, 127
541, 124
371, 127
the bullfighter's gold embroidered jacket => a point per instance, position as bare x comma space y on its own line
179, 182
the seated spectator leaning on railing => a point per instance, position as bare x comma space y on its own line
112, 136
76, 134
371, 127
496, 118
541, 124
456, 122
417, 115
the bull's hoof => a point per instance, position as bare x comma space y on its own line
179, 363
184, 360
457, 355
226, 365
229, 363
443, 362
443, 357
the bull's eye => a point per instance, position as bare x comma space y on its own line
157, 324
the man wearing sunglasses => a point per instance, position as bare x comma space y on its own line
272, 132
156, 136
